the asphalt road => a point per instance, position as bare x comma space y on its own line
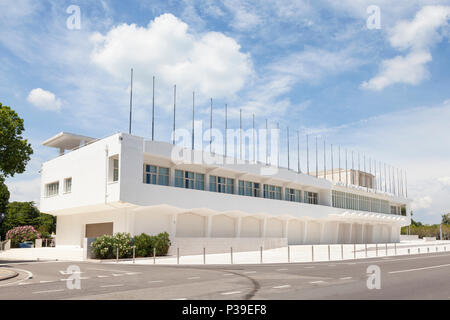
406, 277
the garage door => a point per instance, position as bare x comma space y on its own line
94, 230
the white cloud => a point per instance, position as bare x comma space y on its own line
25, 190
422, 203
418, 36
410, 69
445, 181
44, 100
210, 63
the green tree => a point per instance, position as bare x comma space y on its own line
15, 151
4, 198
26, 213
446, 218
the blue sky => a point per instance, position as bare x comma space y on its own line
314, 66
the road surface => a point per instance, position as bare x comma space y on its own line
425, 276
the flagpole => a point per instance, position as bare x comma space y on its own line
193, 118
174, 110
307, 154
153, 110
131, 102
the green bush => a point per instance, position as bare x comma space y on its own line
105, 247
144, 245
162, 243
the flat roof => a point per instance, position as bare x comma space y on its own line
67, 141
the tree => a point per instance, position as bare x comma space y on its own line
446, 218
26, 213
4, 198
15, 151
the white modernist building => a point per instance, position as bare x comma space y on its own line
125, 183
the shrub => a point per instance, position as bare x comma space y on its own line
22, 234
105, 247
162, 243
144, 245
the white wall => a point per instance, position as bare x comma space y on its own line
295, 232
223, 226
251, 227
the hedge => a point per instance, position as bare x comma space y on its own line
105, 247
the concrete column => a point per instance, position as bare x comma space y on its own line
264, 227
207, 181
363, 226
130, 222
305, 231
351, 233
173, 231
238, 227
322, 232
286, 229
336, 238
208, 226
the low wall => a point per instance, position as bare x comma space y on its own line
406, 237
191, 246
429, 238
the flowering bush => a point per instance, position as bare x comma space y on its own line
105, 247
22, 234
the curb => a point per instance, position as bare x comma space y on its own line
12, 274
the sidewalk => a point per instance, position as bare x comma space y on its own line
6, 274
299, 253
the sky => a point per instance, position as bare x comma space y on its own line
370, 76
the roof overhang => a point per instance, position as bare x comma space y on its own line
67, 141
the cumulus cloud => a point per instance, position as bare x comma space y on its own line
44, 100
418, 36
421, 203
210, 63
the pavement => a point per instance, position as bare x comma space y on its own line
6, 274
424, 276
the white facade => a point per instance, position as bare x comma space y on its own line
100, 194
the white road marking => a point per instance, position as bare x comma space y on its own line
180, 299
48, 291
228, 274
192, 278
345, 278
282, 269
46, 281
63, 272
118, 274
229, 293
249, 272
24, 283
156, 281
309, 267
111, 285
281, 287
132, 273
317, 282
102, 276
424, 268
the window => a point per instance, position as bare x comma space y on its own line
115, 169
247, 188
189, 180
68, 185
352, 201
156, 175
311, 197
292, 195
221, 184
52, 189
272, 192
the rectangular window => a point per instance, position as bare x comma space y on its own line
156, 175
115, 170
221, 184
311, 197
68, 185
52, 189
247, 188
189, 180
292, 195
272, 192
